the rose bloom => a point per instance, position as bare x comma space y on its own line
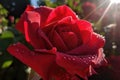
65, 47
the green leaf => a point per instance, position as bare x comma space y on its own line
7, 34
6, 64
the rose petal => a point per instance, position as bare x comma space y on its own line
66, 20
68, 31
44, 13
81, 50
70, 39
96, 41
57, 41
59, 13
100, 60
57, 38
31, 30
80, 65
60, 73
45, 38
41, 63
85, 30
29, 8
20, 23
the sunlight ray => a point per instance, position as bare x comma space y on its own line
104, 13
95, 10
115, 1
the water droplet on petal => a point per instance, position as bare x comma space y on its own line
84, 58
73, 59
89, 57
17, 50
79, 58
93, 57
85, 61
69, 58
64, 57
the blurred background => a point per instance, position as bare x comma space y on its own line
103, 14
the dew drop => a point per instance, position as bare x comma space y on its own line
79, 58
73, 59
92, 57
69, 58
17, 50
84, 58
85, 61
22, 51
89, 57
64, 57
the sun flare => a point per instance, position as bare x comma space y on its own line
115, 1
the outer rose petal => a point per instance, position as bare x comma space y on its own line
59, 13
28, 16
20, 23
44, 13
31, 27
29, 24
29, 8
41, 63
85, 29
61, 74
96, 41
79, 65
33, 31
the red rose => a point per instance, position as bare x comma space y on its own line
65, 47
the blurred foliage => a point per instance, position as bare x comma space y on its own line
12, 69
3, 11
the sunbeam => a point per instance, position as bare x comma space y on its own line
114, 1
104, 13
95, 10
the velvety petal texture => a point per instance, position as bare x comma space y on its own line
61, 11
42, 61
64, 46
